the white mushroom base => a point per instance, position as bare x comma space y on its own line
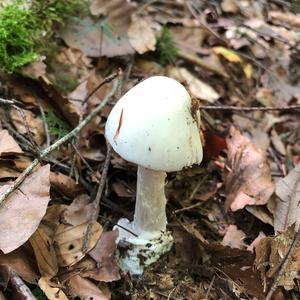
136, 253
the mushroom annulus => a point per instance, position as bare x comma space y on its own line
153, 125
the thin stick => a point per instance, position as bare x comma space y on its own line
57, 144
284, 265
254, 108
45, 125
96, 209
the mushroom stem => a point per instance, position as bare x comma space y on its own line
150, 209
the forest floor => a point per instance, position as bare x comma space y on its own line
234, 218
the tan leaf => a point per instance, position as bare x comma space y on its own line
22, 212
230, 6
141, 36
64, 184
248, 181
34, 123
85, 289
69, 241
80, 211
34, 69
234, 238
7, 144
52, 292
198, 88
287, 210
44, 252
22, 263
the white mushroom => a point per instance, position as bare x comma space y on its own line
153, 126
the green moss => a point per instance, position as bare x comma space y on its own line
57, 127
25, 30
166, 47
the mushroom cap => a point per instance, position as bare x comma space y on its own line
152, 126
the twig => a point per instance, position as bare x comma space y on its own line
94, 217
210, 287
254, 108
284, 265
57, 144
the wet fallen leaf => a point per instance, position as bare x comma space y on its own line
22, 212
44, 252
234, 238
287, 210
248, 181
141, 35
8, 145
86, 289
68, 242
51, 291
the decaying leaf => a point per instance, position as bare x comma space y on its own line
198, 88
287, 211
271, 252
51, 291
44, 252
248, 181
22, 212
68, 242
141, 36
8, 145
86, 289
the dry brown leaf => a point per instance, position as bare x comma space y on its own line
270, 253
104, 255
8, 145
68, 242
286, 18
21, 262
287, 211
22, 212
198, 88
189, 38
230, 6
86, 35
64, 184
52, 292
85, 289
80, 211
141, 36
44, 252
248, 181
34, 69
234, 238
34, 123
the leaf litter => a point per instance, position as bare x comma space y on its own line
234, 218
